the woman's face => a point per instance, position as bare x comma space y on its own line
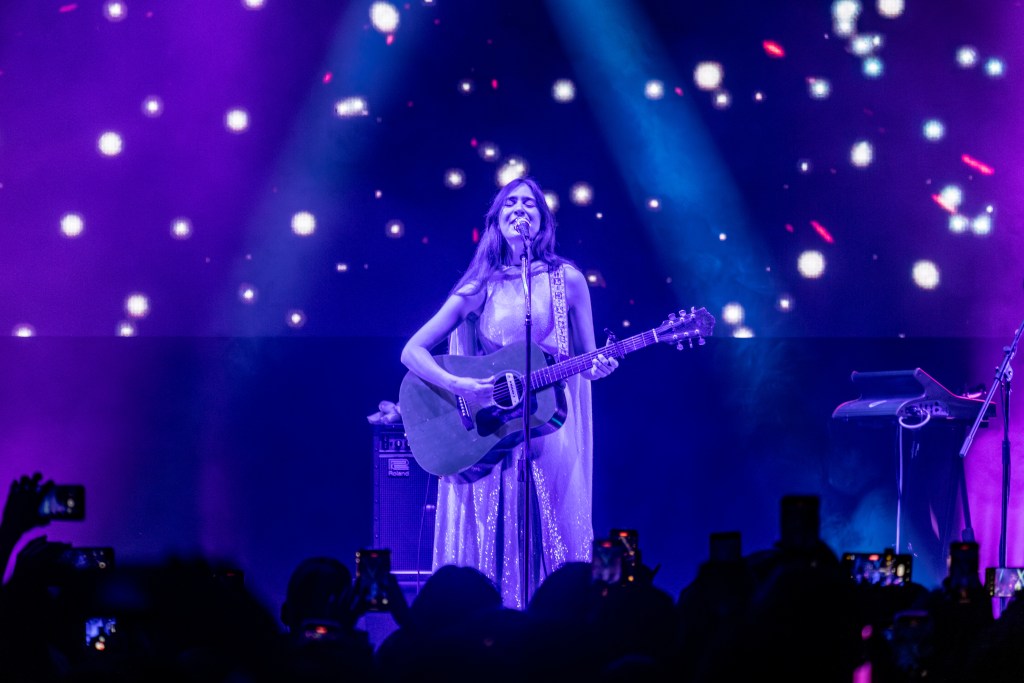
519, 203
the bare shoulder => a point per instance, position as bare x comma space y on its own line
575, 280
469, 298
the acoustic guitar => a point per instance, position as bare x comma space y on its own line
449, 435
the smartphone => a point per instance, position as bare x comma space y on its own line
607, 564
629, 539
963, 564
799, 521
883, 569
100, 633
725, 546
373, 565
1004, 582
64, 502
87, 559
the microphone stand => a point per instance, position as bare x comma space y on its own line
525, 468
1004, 373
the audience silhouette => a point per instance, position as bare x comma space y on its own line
791, 611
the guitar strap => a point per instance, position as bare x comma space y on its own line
561, 315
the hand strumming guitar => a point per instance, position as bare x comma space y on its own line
476, 390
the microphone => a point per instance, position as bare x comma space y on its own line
522, 226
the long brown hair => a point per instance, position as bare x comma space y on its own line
494, 253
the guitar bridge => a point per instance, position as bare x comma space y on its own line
467, 419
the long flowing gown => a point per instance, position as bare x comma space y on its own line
477, 524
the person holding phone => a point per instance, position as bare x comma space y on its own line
478, 521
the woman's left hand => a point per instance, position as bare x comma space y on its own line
602, 366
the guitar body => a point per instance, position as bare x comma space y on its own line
452, 437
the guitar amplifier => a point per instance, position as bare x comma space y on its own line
404, 504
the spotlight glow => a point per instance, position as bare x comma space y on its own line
126, 328
303, 224
350, 107
811, 264
23, 330
454, 178
654, 90
110, 144
722, 99
552, 201
253, 4
466, 86
862, 154
581, 194
136, 305
295, 318
513, 168
708, 75
934, 130
804, 166
236, 120
72, 225
563, 90
654, 204
925, 274
384, 17
784, 303
152, 106
181, 228
743, 333
394, 229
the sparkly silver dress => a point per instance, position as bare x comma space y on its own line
477, 524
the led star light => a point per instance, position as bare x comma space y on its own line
708, 75
933, 130
72, 225
563, 90
110, 144
862, 154
384, 17
303, 224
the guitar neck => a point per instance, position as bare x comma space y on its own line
577, 364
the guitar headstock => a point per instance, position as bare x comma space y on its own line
696, 324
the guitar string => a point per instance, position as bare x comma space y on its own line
552, 373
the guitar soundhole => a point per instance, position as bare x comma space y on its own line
491, 419
508, 390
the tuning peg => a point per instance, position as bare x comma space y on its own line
701, 341
671, 316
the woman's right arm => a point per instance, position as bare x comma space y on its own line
417, 357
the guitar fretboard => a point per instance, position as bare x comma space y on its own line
577, 364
